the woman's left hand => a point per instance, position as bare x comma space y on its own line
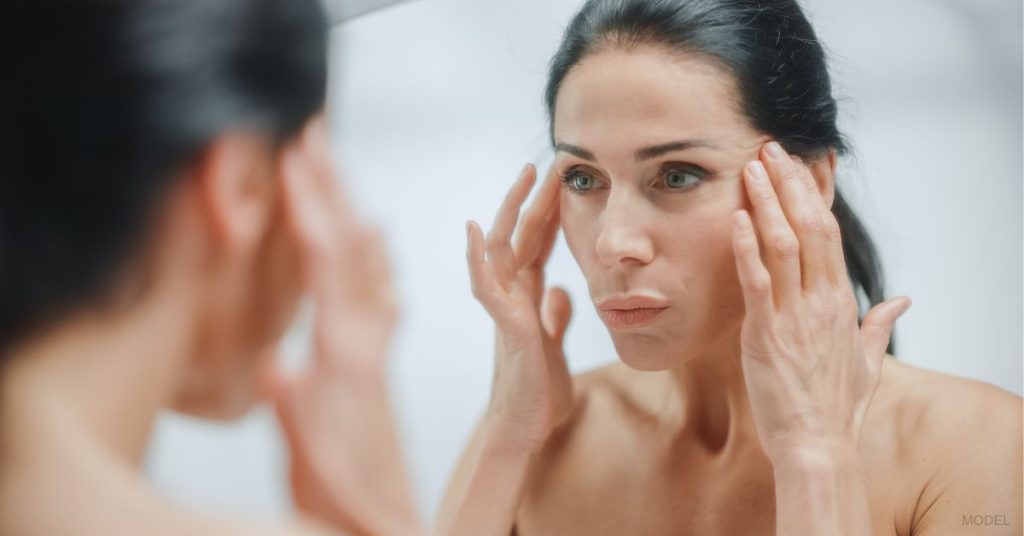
810, 371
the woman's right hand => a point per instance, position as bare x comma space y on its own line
347, 468
532, 390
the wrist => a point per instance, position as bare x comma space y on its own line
820, 456
506, 438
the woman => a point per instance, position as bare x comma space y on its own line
167, 199
694, 181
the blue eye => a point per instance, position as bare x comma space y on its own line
682, 178
579, 181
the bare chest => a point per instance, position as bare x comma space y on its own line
681, 498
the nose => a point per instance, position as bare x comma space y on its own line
623, 240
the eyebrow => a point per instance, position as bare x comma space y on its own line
645, 153
575, 151
655, 151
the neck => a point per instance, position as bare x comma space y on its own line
96, 380
713, 405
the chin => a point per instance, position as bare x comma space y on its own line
647, 352
227, 403
233, 409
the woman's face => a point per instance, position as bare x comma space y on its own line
651, 146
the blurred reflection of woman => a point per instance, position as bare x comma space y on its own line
694, 180
167, 198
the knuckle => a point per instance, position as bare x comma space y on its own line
790, 172
813, 221
832, 228
785, 246
759, 285
495, 243
848, 307
477, 289
809, 185
827, 311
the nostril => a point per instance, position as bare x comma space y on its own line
622, 245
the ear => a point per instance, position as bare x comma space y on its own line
824, 172
236, 189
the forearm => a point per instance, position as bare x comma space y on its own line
486, 489
821, 492
377, 445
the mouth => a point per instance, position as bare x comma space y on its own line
631, 311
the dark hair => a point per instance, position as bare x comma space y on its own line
104, 101
780, 67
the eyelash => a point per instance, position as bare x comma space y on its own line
569, 175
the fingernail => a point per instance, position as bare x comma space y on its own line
775, 151
757, 171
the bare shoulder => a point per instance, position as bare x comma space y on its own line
931, 406
963, 439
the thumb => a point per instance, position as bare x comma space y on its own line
556, 311
876, 329
271, 378
277, 386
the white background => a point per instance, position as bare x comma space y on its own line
437, 105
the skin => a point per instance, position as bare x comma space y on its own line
245, 233
753, 404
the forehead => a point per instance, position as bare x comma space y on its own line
619, 99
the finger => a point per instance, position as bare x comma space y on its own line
316, 141
530, 236
379, 273
754, 278
835, 259
499, 249
284, 387
550, 236
345, 278
481, 276
876, 329
805, 210
782, 255
536, 269
271, 378
304, 212
556, 313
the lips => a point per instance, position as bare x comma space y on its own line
631, 311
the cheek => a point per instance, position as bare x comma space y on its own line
720, 293
698, 250
579, 225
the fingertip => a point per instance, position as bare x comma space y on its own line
529, 174
773, 151
563, 295
904, 306
474, 239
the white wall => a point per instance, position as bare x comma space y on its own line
438, 105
